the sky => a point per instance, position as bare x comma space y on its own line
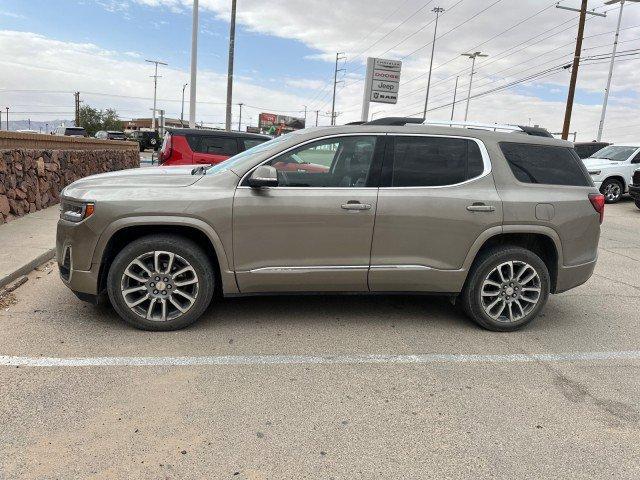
285, 54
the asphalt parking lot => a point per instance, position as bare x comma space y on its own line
332, 387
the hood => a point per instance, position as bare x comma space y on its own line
599, 162
146, 177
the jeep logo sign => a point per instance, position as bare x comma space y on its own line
382, 82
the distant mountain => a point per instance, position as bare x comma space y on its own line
44, 126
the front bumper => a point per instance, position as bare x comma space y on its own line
75, 244
634, 191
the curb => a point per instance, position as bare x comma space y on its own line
28, 267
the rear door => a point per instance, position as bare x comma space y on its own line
213, 149
437, 196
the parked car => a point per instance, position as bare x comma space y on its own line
612, 167
110, 135
586, 149
634, 188
71, 131
28, 131
185, 146
497, 221
146, 139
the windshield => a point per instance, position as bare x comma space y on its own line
241, 157
613, 152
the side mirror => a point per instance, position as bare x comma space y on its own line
264, 176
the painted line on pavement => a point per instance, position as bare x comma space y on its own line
239, 360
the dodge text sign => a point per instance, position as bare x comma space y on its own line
382, 83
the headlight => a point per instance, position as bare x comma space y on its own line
595, 172
75, 211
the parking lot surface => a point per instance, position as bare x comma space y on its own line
328, 387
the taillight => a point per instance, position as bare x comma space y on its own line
165, 151
597, 200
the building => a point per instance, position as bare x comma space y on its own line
145, 123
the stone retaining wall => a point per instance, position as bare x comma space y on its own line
31, 179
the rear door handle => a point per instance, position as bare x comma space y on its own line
481, 207
355, 205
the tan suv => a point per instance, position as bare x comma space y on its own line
495, 220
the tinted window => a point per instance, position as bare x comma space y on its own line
545, 164
252, 142
433, 161
213, 145
334, 162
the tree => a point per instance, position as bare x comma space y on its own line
93, 120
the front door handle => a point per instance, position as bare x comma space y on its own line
481, 207
355, 205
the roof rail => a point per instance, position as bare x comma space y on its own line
495, 127
395, 121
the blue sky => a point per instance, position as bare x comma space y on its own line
285, 51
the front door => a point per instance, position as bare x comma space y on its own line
437, 196
313, 231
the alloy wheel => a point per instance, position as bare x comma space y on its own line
510, 291
612, 192
159, 286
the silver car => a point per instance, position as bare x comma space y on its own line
496, 221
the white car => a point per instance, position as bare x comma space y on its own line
612, 169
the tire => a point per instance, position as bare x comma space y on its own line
637, 201
477, 295
176, 298
612, 190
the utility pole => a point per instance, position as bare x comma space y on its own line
305, 115
155, 77
455, 92
182, 111
77, 108
317, 112
240, 117
232, 41
613, 59
194, 66
7, 118
438, 11
335, 82
473, 57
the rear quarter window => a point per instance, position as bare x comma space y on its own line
545, 164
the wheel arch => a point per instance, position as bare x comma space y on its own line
620, 178
544, 241
123, 231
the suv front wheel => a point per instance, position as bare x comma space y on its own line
612, 190
160, 282
506, 289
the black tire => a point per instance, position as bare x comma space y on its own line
612, 189
179, 246
637, 201
486, 263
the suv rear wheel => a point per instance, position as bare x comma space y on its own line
506, 289
160, 282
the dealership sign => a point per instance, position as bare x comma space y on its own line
382, 83
272, 123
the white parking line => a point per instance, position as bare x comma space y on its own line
6, 360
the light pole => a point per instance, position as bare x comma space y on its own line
438, 11
182, 111
155, 77
240, 117
613, 59
473, 57
194, 66
453, 104
335, 82
232, 42
7, 118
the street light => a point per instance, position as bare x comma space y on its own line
438, 11
155, 77
473, 57
182, 111
613, 59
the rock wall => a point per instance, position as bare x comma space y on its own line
32, 179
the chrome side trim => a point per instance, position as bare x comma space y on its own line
400, 267
311, 268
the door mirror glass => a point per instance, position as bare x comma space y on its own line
264, 176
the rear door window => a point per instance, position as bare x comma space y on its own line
434, 161
545, 164
213, 145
